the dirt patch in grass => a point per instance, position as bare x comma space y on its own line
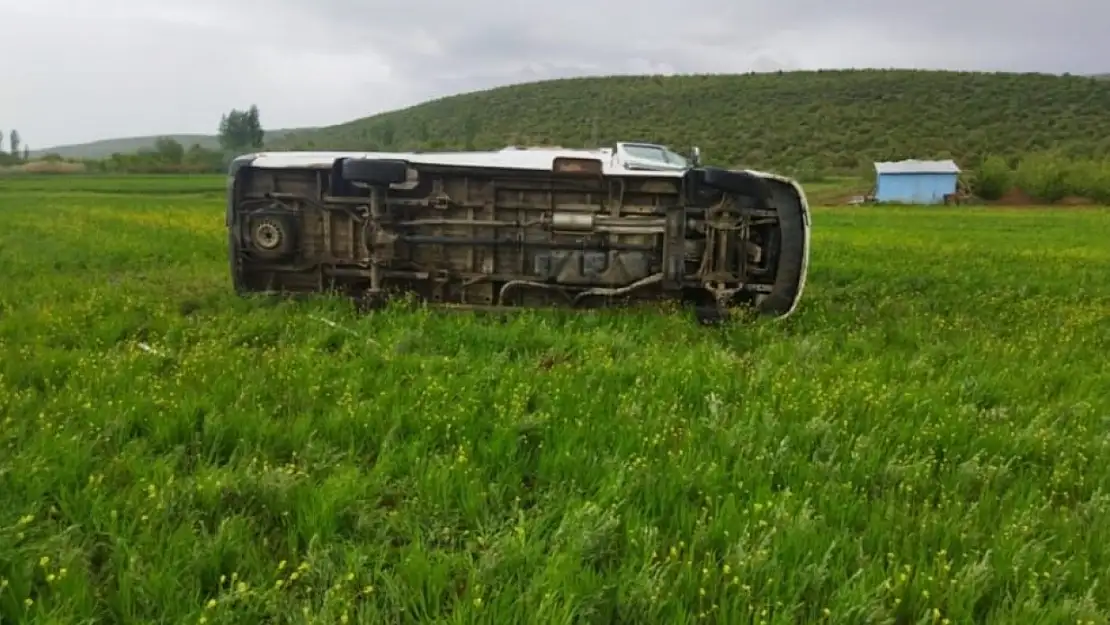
1016, 198
1075, 200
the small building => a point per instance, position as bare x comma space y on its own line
915, 182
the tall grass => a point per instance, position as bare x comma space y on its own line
925, 442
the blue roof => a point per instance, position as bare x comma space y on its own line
917, 167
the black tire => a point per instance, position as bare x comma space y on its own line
711, 315
373, 171
370, 302
792, 255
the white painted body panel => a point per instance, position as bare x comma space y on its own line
531, 159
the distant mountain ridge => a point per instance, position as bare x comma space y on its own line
129, 145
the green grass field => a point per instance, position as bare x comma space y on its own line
927, 441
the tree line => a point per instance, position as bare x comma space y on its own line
238, 131
16, 151
1045, 177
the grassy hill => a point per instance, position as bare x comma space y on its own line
130, 145
829, 119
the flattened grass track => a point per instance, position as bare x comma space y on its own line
927, 440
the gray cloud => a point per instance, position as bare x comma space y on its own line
78, 70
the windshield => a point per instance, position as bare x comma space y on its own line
655, 153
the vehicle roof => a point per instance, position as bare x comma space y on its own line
533, 159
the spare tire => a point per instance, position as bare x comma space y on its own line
374, 171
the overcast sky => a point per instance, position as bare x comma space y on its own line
78, 70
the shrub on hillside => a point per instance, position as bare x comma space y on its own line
993, 178
1089, 179
1044, 176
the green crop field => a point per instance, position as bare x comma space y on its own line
926, 441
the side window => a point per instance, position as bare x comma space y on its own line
674, 158
655, 153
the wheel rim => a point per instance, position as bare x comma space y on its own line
268, 235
